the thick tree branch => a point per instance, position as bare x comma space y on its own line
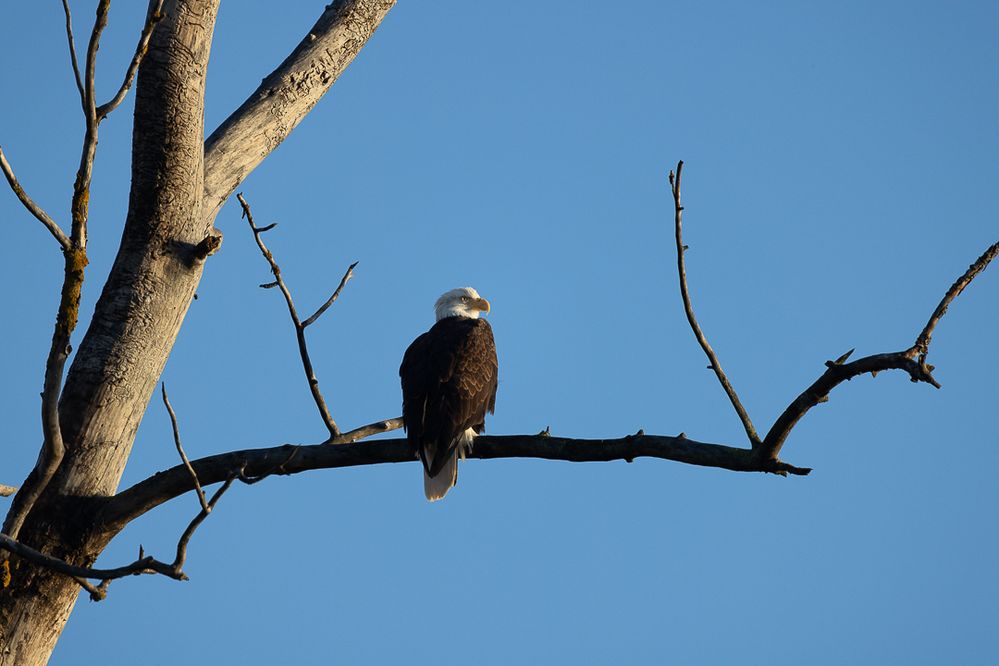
293, 459
283, 99
303, 348
30, 205
715, 365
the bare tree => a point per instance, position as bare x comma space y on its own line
70, 507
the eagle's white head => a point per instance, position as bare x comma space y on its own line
464, 302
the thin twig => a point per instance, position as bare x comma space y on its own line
180, 448
30, 205
145, 564
375, 428
7, 491
100, 22
332, 299
72, 51
153, 16
674, 181
923, 341
303, 349
185, 538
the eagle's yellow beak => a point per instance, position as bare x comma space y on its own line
481, 304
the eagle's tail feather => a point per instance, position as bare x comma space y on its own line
436, 487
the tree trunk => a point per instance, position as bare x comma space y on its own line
135, 323
179, 182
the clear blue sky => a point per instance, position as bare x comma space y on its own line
841, 169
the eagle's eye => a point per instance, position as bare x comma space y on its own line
464, 299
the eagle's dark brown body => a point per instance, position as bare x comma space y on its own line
449, 377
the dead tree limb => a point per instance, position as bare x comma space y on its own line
30, 204
180, 448
911, 360
688, 308
922, 344
367, 431
72, 51
145, 564
163, 486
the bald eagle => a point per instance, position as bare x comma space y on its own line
449, 377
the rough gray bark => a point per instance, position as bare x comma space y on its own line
133, 328
275, 108
157, 269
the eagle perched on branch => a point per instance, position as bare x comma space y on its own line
449, 377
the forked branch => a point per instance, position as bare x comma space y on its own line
912, 361
153, 16
300, 326
144, 564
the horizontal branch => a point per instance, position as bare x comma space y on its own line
293, 459
7, 491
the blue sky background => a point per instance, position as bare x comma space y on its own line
841, 169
